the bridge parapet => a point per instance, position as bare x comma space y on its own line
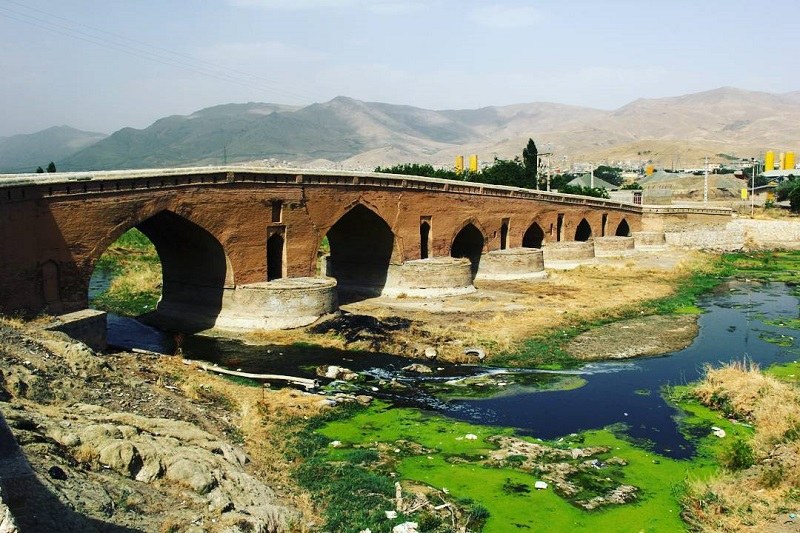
14, 186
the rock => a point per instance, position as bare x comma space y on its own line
430, 352
418, 368
718, 432
120, 456
391, 515
363, 399
197, 476
218, 502
335, 444
540, 485
7, 522
152, 466
471, 436
477, 351
56, 472
337, 372
577, 453
406, 527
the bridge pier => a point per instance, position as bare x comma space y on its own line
280, 304
512, 264
432, 277
568, 254
650, 240
613, 246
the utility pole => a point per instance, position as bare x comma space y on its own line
753, 188
705, 184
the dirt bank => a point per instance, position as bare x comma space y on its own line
649, 335
503, 314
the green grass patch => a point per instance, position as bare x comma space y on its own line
136, 283
786, 372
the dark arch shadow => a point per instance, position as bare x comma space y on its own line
623, 230
534, 236
275, 256
361, 244
469, 243
583, 231
424, 238
193, 271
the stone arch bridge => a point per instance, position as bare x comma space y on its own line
240, 247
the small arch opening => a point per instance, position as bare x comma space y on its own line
424, 239
534, 237
275, 246
469, 243
583, 231
623, 230
504, 234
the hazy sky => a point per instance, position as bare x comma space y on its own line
104, 64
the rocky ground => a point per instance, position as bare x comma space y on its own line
125, 442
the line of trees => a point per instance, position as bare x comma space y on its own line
50, 168
517, 172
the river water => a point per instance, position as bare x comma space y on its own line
732, 327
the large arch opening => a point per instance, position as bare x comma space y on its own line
361, 245
177, 256
583, 231
469, 243
623, 230
534, 236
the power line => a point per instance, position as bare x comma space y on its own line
119, 43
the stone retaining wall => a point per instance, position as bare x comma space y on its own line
741, 234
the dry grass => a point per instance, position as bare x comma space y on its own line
756, 498
266, 419
501, 315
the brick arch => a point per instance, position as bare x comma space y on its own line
362, 246
583, 231
195, 268
470, 242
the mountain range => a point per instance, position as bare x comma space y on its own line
723, 124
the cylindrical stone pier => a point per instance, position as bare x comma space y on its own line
613, 246
511, 264
569, 254
650, 240
280, 304
432, 277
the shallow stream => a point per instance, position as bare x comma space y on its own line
740, 321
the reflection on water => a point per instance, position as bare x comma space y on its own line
733, 327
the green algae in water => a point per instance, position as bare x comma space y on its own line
785, 341
450, 460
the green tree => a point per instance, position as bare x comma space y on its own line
504, 172
530, 160
51, 167
417, 169
39, 170
612, 175
597, 192
632, 187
